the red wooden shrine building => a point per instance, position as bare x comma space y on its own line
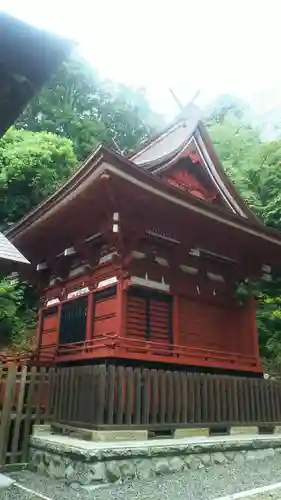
138, 259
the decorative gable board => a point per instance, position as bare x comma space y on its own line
188, 138
211, 187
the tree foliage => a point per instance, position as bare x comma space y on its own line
32, 165
17, 313
77, 104
254, 166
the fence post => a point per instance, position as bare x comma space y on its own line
7, 411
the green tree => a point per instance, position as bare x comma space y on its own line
78, 105
17, 313
254, 166
32, 165
239, 147
224, 105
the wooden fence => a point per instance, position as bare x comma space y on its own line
96, 396
26, 397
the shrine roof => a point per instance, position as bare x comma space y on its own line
168, 142
28, 56
77, 191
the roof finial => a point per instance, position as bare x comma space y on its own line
175, 97
189, 106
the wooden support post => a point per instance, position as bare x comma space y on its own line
176, 320
90, 317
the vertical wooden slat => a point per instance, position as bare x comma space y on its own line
101, 394
170, 396
111, 394
154, 396
162, 396
145, 396
277, 402
120, 395
93, 398
211, 398
183, 398
56, 395
50, 394
28, 414
70, 390
251, 401
41, 392
137, 396
177, 397
205, 400
246, 400
7, 409
197, 397
129, 395
272, 401
235, 402
19, 414
223, 399
83, 397
262, 401
191, 399
63, 394
268, 401
257, 400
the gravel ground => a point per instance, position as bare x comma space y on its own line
200, 485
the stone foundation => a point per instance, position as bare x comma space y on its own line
89, 463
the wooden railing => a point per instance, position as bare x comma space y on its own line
32, 357
126, 347
156, 351
93, 396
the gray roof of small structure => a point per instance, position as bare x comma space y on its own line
9, 252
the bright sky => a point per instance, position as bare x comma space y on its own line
212, 45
